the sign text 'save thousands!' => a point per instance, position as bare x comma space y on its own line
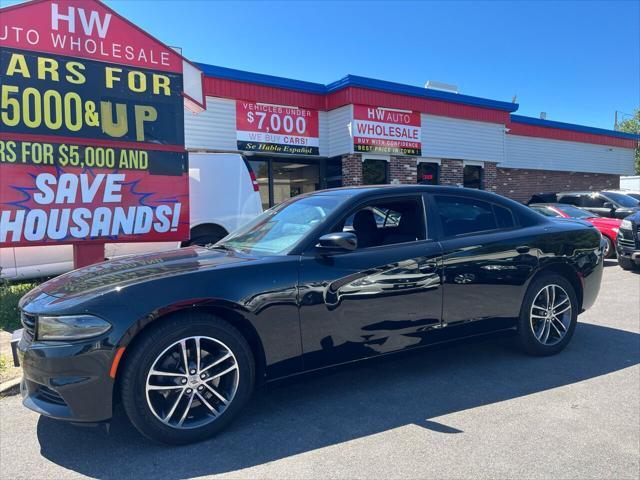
270, 128
91, 129
387, 131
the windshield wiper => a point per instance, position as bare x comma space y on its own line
221, 246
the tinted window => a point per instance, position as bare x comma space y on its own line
462, 215
570, 199
592, 201
473, 176
504, 217
622, 199
374, 172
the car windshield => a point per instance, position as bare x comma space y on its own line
278, 229
546, 211
622, 199
575, 212
634, 195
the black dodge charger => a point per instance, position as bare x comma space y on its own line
182, 338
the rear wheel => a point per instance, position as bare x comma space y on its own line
548, 315
187, 378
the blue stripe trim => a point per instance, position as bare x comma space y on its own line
352, 81
261, 79
538, 122
402, 89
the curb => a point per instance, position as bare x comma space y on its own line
10, 387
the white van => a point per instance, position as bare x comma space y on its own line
223, 194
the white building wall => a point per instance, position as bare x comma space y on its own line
549, 154
213, 129
444, 137
340, 141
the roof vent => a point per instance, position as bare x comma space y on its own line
443, 87
543, 115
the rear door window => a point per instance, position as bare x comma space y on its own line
465, 215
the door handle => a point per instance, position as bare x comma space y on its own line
523, 249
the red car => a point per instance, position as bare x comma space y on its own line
608, 227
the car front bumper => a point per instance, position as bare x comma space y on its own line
628, 252
66, 381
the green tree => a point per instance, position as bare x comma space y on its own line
632, 125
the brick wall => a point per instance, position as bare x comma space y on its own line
490, 176
403, 170
451, 172
351, 170
519, 184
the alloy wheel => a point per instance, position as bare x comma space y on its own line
550, 315
192, 382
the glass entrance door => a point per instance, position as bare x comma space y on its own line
293, 178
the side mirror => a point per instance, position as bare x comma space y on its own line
338, 241
609, 205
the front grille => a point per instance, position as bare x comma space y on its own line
48, 395
29, 323
626, 243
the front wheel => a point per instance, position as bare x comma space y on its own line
609, 249
548, 315
187, 378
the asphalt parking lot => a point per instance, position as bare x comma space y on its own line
474, 410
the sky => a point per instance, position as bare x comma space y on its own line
577, 61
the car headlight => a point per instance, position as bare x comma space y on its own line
70, 327
626, 224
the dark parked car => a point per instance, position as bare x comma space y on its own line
604, 203
182, 338
628, 243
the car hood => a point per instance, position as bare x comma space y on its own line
605, 222
125, 271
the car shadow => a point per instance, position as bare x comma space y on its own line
342, 405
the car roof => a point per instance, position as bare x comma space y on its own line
363, 190
552, 204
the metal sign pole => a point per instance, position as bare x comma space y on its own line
87, 254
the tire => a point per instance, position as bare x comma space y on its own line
609, 249
626, 263
192, 418
205, 234
532, 330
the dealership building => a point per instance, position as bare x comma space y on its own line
301, 136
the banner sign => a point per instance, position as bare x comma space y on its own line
386, 131
277, 129
91, 129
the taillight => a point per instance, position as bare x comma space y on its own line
254, 181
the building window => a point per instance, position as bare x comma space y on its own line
473, 176
428, 173
375, 172
333, 172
